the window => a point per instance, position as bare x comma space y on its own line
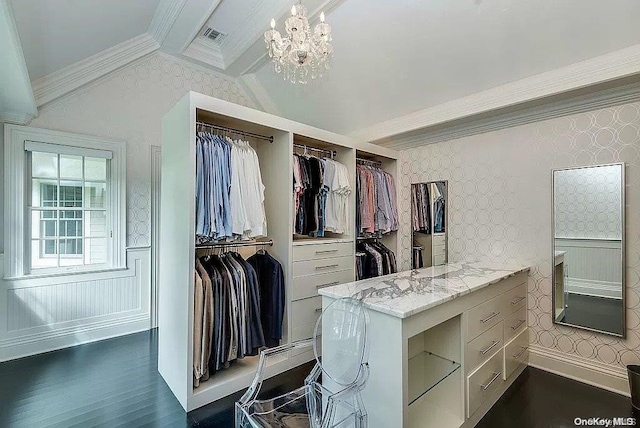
72, 215
69, 215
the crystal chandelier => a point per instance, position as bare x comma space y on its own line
302, 54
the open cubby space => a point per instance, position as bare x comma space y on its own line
435, 396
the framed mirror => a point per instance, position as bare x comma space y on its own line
589, 248
429, 220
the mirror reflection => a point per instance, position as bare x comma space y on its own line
429, 224
588, 248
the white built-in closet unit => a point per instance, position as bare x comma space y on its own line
308, 263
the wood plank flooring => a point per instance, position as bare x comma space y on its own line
115, 383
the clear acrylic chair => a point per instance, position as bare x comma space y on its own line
331, 394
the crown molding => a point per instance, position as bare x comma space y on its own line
206, 52
16, 118
63, 81
164, 17
253, 86
604, 68
548, 110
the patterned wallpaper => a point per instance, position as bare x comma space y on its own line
129, 105
587, 203
500, 209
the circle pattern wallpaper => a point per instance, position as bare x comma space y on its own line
500, 209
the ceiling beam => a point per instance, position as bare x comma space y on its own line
164, 17
611, 66
17, 103
190, 19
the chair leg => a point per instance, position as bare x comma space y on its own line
361, 412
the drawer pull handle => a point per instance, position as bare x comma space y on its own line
490, 317
517, 326
318, 310
524, 349
496, 375
327, 267
327, 251
518, 300
328, 284
493, 345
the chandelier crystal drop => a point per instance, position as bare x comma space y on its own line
302, 54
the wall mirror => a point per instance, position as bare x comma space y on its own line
588, 248
429, 212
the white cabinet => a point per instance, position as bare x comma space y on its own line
497, 328
439, 360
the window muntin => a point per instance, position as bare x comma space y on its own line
69, 211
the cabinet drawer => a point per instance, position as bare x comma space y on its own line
308, 286
439, 259
516, 298
484, 316
322, 251
304, 314
438, 239
439, 251
484, 346
483, 382
516, 353
313, 267
515, 323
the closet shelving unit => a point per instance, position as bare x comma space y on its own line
307, 263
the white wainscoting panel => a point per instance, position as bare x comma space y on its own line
593, 266
42, 314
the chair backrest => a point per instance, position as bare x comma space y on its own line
343, 324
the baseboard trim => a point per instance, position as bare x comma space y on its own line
37, 344
601, 375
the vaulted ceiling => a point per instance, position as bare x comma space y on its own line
397, 64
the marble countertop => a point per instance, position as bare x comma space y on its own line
407, 293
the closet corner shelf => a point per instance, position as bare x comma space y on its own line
426, 371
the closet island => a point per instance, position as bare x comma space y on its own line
445, 341
309, 261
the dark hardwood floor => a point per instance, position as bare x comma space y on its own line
595, 312
539, 399
112, 383
115, 383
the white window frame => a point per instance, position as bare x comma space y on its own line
16, 223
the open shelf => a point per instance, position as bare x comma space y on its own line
427, 370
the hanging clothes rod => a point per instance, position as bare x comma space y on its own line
368, 238
369, 162
268, 243
235, 131
328, 153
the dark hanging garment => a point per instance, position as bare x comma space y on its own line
272, 296
255, 332
312, 195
